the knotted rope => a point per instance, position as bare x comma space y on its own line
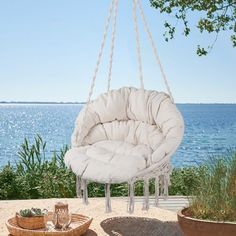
138, 44
112, 44
111, 8
154, 48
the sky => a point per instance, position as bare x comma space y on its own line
48, 52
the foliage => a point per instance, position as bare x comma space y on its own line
214, 17
184, 181
215, 196
9, 188
31, 212
35, 176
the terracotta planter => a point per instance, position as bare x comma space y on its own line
194, 227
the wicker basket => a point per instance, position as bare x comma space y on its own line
35, 222
78, 226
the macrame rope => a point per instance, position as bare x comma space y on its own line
108, 197
112, 44
138, 44
161, 173
101, 51
157, 190
131, 197
78, 187
97, 67
146, 194
154, 48
166, 192
85, 191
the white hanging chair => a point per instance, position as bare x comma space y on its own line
127, 134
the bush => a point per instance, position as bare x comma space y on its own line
35, 176
8, 183
184, 181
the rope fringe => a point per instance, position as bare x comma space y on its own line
131, 197
166, 190
85, 191
108, 198
162, 181
146, 194
78, 187
157, 190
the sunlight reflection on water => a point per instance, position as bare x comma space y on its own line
209, 129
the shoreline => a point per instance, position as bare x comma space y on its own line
83, 103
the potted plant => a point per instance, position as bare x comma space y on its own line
31, 218
212, 210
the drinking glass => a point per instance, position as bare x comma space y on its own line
48, 226
64, 219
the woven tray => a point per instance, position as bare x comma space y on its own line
79, 225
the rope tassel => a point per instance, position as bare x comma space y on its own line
85, 191
108, 198
166, 190
78, 187
131, 198
157, 191
146, 194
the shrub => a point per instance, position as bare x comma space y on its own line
35, 176
184, 181
8, 183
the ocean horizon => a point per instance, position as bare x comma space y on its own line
82, 103
210, 129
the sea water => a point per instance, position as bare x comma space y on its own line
210, 129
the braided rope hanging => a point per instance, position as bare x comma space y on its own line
114, 8
112, 45
112, 17
138, 50
128, 134
108, 20
101, 50
154, 48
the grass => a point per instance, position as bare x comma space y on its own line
215, 195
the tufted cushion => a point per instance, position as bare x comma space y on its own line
125, 131
108, 161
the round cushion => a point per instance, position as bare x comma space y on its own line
123, 133
108, 161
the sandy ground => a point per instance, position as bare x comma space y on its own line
96, 210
